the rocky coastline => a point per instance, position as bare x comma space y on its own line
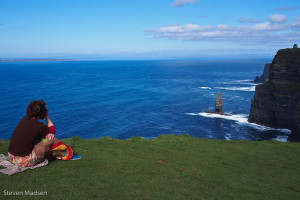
276, 102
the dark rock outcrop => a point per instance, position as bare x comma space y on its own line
265, 76
219, 104
296, 129
276, 103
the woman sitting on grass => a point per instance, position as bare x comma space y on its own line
26, 147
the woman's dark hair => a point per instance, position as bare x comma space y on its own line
37, 109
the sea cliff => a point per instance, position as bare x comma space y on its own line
276, 102
265, 76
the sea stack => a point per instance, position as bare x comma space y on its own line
219, 104
276, 102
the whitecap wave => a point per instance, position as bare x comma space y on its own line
205, 88
241, 82
248, 89
240, 119
281, 138
228, 137
192, 114
246, 81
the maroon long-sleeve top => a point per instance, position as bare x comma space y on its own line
27, 133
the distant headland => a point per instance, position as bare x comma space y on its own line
33, 60
276, 102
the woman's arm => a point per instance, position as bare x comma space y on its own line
51, 131
49, 122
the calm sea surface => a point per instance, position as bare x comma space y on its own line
121, 99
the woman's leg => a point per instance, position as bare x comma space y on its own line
42, 148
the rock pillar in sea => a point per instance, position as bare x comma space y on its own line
219, 104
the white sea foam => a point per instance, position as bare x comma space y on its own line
247, 81
241, 82
249, 89
281, 138
228, 137
205, 88
192, 114
239, 119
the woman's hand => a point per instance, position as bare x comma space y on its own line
50, 136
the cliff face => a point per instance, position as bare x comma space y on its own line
265, 76
276, 103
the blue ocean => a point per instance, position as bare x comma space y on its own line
121, 99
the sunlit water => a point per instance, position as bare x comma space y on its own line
121, 99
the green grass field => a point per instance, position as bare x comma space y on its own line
169, 167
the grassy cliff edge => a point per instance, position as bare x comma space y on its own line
169, 167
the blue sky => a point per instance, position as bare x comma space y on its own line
147, 29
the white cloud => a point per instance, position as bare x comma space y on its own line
277, 18
296, 23
183, 2
287, 8
248, 20
268, 26
274, 30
